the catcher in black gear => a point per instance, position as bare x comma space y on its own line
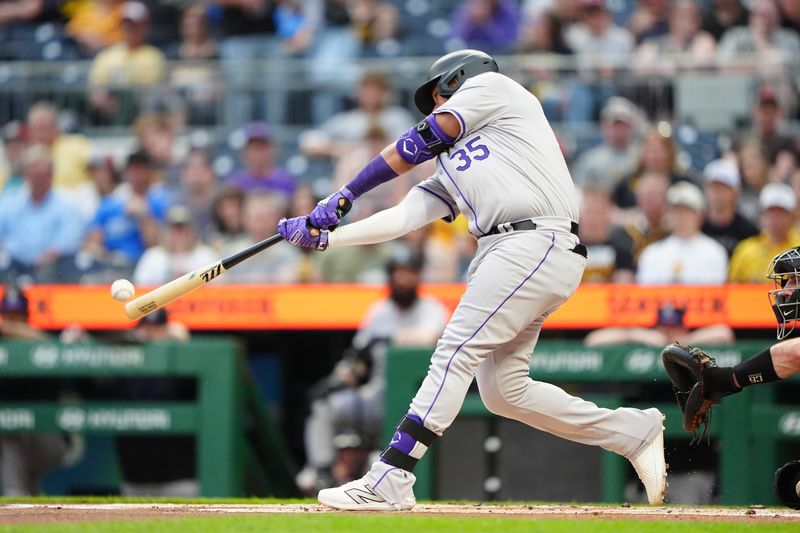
699, 383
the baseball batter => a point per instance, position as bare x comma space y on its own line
498, 163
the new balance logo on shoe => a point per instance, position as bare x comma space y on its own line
363, 495
359, 496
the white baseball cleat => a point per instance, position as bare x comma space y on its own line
384, 488
652, 469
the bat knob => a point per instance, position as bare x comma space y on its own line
344, 206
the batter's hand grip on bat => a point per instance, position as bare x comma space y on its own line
312, 229
344, 206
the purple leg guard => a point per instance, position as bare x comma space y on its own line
409, 431
402, 441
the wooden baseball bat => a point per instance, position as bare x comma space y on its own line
161, 296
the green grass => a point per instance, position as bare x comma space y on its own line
352, 523
372, 523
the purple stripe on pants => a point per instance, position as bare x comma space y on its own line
383, 476
447, 369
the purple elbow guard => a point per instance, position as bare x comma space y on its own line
374, 173
424, 141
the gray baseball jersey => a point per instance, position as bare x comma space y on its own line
505, 167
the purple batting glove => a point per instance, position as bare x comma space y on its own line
299, 232
329, 212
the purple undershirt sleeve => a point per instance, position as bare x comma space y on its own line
374, 173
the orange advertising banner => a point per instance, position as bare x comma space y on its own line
342, 306
600, 305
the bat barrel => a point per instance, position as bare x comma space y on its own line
161, 296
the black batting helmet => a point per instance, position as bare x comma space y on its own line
454, 67
784, 271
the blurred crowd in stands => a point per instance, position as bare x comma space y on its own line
203, 168
143, 139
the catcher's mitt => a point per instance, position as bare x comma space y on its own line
684, 365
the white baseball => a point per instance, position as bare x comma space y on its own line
122, 290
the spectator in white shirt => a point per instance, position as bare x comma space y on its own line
687, 256
601, 47
617, 157
278, 264
179, 254
338, 134
762, 43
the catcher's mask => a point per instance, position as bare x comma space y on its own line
784, 270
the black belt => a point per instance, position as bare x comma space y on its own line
526, 225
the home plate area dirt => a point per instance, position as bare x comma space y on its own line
71, 512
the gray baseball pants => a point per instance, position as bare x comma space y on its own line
515, 281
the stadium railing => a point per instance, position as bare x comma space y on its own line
704, 106
713, 98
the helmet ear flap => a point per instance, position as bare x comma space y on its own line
423, 97
448, 84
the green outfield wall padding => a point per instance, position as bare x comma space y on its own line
748, 429
240, 451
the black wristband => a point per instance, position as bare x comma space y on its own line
719, 380
757, 369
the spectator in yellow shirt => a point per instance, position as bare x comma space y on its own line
752, 256
69, 153
130, 63
96, 24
